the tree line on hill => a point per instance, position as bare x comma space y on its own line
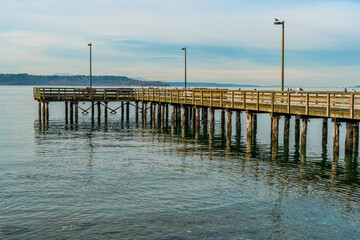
74, 80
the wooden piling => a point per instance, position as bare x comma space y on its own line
324, 130
47, 111
356, 138
212, 120
229, 126
249, 125
173, 118
106, 111
153, 110
71, 112
76, 112
286, 129
162, 115
304, 134
122, 110
127, 111
275, 131
159, 113
184, 117
336, 138
144, 113
98, 111
297, 130
222, 118
66, 112
238, 122
197, 121
166, 114
349, 138
136, 111
254, 122
92, 112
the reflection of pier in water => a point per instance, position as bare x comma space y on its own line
196, 108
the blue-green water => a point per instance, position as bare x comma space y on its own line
123, 181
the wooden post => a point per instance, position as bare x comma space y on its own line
136, 111
336, 138
222, 117
144, 113
39, 109
286, 129
249, 125
212, 120
297, 130
254, 122
324, 130
173, 117
66, 112
197, 125
47, 111
76, 112
229, 126
153, 110
92, 112
303, 134
238, 122
178, 115
167, 113
184, 117
349, 138
71, 112
356, 138
275, 131
205, 116
99, 111
162, 115
127, 111
122, 111
159, 113
106, 111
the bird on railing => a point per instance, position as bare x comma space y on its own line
345, 90
299, 89
353, 90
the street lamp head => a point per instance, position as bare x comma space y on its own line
183, 48
89, 44
277, 22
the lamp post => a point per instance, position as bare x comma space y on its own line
277, 22
185, 64
90, 44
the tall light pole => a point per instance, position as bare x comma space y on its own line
185, 64
90, 62
277, 22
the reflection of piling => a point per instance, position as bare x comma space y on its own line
92, 112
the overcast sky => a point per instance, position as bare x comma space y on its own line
228, 41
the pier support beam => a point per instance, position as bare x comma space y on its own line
127, 111
144, 113
238, 123
167, 115
249, 125
92, 112
106, 111
162, 122
136, 111
336, 138
275, 131
286, 130
76, 112
184, 116
159, 113
98, 111
71, 112
122, 111
173, 118
303, 135
324, 130
222, 118
153, 110
297, 130
66, 112
229, 128
356, 138
197, 121
349, 138
47, 112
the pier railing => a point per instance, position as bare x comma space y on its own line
319, 103
83, 94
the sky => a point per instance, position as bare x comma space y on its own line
228, 41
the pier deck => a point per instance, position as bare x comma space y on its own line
345, 105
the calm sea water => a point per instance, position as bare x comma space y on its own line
122, 181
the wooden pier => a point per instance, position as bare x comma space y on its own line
195, 105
